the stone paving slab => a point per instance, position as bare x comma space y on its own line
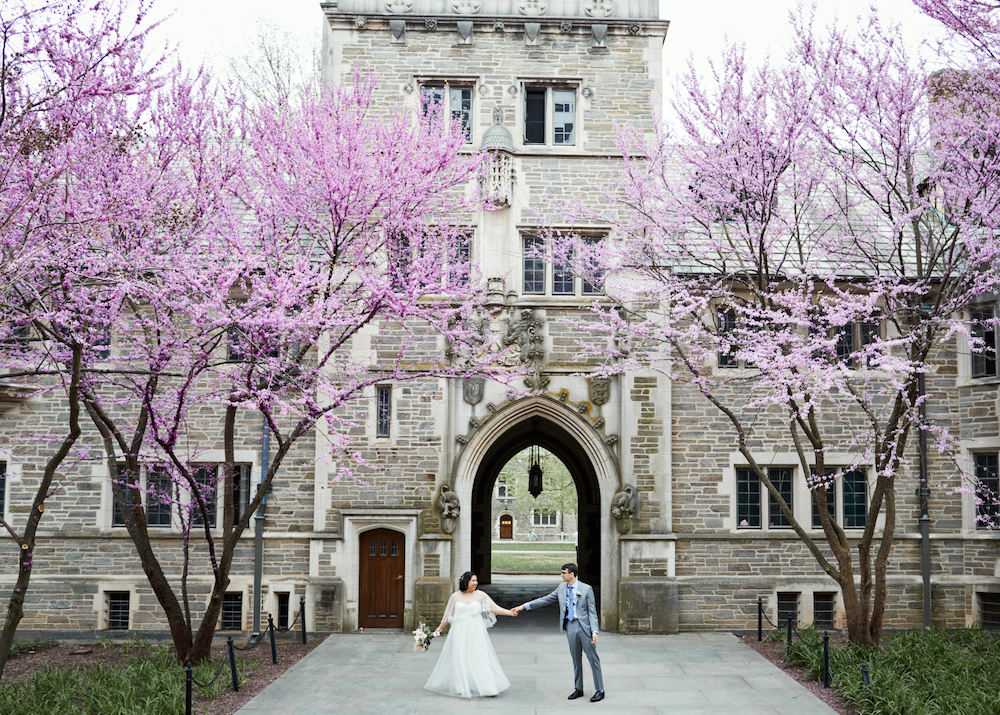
371, 673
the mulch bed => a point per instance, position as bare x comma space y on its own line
774, 651
227, 703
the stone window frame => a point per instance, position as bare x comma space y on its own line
102, 602
969, 449
221, 625
448, 82
582, 288
537, 514
383, 411
550, 85
983, 365
766, 504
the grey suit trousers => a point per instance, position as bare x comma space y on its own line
579, 643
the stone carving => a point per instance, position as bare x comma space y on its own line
498, 26
464, 28
624, 508
599, 35
611, 440
582, 408
465, 7
408, 88
360, 22
473, 389
532, 7
462, 439
512, 90
563, 395
598, 8
634, 28
599, 423
600, 390
526, 335
483, 90
565, 26
532, 31
449, 508
398, 7
431, 24
474, 423
397, 31
587, 92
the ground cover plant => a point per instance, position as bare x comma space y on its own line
528, 563
561, 546
925, 672
136, 677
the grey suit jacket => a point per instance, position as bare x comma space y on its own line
586, 607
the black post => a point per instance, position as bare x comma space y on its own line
760, 620
232, 664
868, 681
302, 617
270, 629
788, 648
189, 669
826, 659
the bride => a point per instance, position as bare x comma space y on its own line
468, 666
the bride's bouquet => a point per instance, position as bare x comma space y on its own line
422, 637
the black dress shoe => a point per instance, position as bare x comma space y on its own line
575, 694
597, 697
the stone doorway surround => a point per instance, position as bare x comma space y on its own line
586, 443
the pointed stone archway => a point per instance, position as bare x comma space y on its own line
591, 463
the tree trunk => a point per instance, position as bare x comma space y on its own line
15, 609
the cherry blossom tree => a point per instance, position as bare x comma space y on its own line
798, 248
61, 66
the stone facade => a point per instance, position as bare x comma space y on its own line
681, 561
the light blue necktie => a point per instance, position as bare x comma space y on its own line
571, 604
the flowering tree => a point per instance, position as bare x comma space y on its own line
798, 250
62, 70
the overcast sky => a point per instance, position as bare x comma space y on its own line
217, 29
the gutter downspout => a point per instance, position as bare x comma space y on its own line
258, 529
924, 492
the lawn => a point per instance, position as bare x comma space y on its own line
561, 546
529, 563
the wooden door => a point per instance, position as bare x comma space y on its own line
506, 526
382, 568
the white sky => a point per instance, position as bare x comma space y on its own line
217, 29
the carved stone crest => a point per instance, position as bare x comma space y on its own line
473, 389
625, 507
600, 390
449, 508
598, 8
526, 334
532, 7
398, 6
465, 7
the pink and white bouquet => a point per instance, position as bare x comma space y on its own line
422, 637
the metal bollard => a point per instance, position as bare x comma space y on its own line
302, 617
232, 664
760, 620
867, 679
189, 669
270, 629
788, 647
826, 659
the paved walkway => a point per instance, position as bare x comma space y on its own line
687, 674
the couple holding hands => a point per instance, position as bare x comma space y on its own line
468, 666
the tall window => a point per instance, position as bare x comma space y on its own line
831, 504
987, 491
205, 479
747, 499
458, 100
534, 265
383, 410
505, 489
159, 496
984, 359
400, 255
855, 337
855, 486
232, 612
3, 486
549, 115
121, 486
563, 282
591, 272
781, 478
727, 325
240, 491
237, 344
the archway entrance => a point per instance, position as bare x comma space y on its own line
557, 440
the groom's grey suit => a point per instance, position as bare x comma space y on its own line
580, 630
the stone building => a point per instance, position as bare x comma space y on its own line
539, 84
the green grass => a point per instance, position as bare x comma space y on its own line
528, 563
561, 546
915, 673
149, 681
31, 644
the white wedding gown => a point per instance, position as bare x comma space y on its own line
468, 666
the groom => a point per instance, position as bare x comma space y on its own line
578, 618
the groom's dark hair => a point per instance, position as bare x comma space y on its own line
572, 569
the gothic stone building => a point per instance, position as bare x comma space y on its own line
672, 534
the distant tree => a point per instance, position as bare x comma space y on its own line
558, 487
277, 65
798, 251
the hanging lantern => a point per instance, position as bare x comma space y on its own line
535, 470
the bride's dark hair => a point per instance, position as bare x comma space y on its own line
463, 583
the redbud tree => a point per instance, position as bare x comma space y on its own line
798, 246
